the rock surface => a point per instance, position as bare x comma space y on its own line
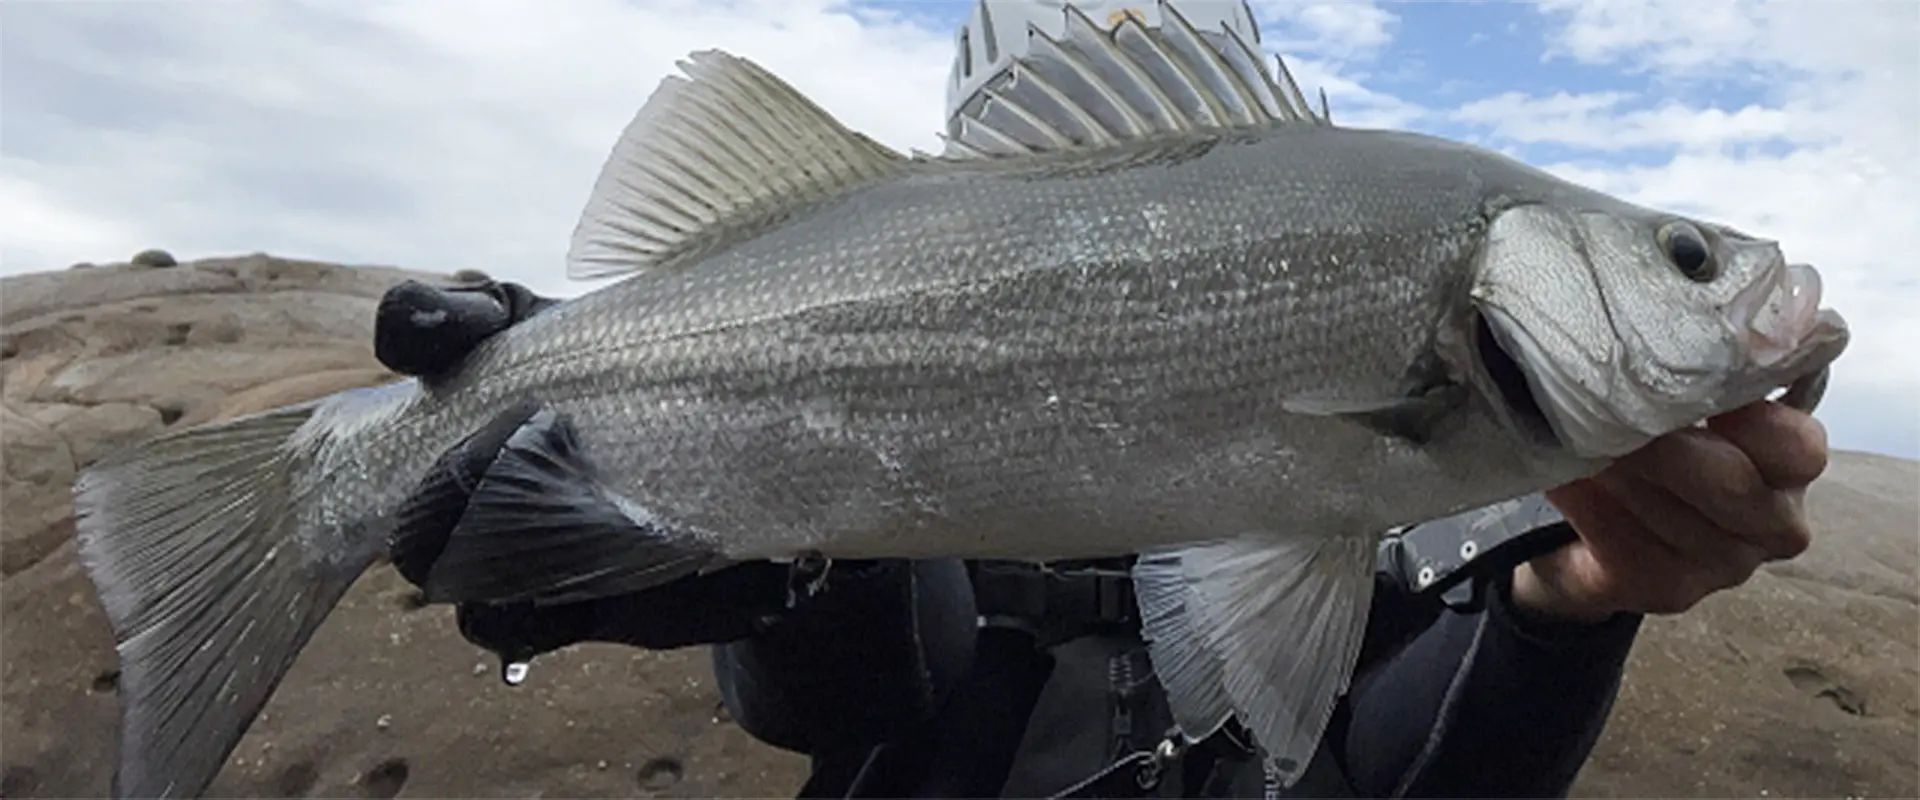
1802, 683
1805, 682
99, 358
387, 699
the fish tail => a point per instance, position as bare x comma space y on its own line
213, 580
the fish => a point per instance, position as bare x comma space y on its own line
1239, 346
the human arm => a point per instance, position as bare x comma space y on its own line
1498, 702
1510, 701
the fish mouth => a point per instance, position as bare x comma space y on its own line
1778, 319
1776, 313
1510, 382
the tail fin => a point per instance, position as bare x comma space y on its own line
190, 542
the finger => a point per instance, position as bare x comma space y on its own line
1711, 475
1788, 447
1712, 558
1618, 563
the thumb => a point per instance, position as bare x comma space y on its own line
1572, 581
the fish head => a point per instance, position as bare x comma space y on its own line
1626, 324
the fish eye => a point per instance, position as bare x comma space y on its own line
1687, 248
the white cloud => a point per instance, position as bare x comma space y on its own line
1841, 82
432, 134
1349, 99
1328, 46
26, 206
1596, 121
1340, 29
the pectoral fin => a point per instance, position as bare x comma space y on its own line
541, 527
1413, 418
1265, 628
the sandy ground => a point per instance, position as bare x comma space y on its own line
389, 701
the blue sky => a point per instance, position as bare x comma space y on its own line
444, 134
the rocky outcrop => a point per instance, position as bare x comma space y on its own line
1805, 682
1802, 683
95, 359
388, 697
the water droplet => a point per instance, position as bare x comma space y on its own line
515, 672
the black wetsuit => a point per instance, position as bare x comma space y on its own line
892, 685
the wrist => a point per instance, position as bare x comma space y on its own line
1536, 598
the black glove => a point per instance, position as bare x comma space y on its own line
858, 664
724, 606
853, 661
424, 331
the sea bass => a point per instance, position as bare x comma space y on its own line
1241, 348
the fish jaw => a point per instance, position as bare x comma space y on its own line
1780, 321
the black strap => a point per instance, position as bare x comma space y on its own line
1059, 601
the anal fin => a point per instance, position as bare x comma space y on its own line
541, 528
1265, 628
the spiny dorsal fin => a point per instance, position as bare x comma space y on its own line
1092, 88
712, 156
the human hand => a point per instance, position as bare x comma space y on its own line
423, 330
1694, 512
710, 608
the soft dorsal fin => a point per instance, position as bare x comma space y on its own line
1092, 88
711, 156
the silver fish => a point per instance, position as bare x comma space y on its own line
1240, 346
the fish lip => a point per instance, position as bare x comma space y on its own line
1777, 319
1774, 315
1826, 340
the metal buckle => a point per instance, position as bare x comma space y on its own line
1146, 767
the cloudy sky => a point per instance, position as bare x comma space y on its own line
466, 133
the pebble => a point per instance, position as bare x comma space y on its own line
384, 722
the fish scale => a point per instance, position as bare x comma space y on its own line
1240, 351
697, 328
